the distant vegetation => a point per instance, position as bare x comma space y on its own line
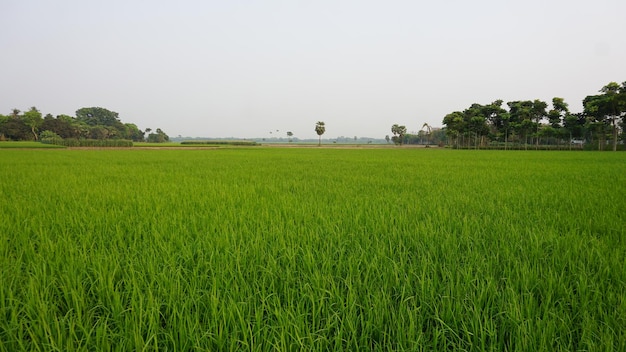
92, 126
220, 142
528, 124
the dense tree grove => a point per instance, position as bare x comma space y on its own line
399, 132
426, 136
89, 123
529, 124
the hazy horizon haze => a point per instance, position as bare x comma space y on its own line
245, 68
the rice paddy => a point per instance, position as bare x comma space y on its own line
265, 249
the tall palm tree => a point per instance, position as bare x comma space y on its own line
428, 132
320, 128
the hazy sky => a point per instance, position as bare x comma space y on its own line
245, 68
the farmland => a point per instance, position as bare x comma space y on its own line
312, 249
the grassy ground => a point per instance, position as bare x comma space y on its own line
312, 249
30, 145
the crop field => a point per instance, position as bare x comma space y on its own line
290, 249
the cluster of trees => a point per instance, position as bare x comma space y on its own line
531, 123
426, 136
89, 123
399, 132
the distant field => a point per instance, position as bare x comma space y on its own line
274, 249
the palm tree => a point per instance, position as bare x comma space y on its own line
428, 132
320, 128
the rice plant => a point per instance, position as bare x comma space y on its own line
312, 249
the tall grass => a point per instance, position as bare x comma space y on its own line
312, 249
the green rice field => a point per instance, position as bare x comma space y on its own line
312, 249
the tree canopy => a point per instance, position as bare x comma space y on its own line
89, 123
606, 111
398, 134
528, 122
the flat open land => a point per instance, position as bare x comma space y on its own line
288, 249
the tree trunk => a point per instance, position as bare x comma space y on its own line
506, 137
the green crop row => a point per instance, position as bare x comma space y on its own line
97, 143
312, 249
220, 142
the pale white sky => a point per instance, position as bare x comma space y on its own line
244, 68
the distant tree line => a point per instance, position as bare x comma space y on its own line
427, 135
529, 124
89, 123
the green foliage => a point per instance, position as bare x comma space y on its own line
398, 134
97, 116
132, 132
525, 122
223, 250
15, 129
90, 123
158, 137
605, 112
50, 137
32, 118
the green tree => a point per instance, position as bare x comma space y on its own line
15, 129
97, 116
476, 123
455, 126
62, 127
559, 111
48, 136
32, 118
398, 134
148, 130
557, 116
320, 128
607, 109
574, 125
520, 118
133, 132
3, 120
158, 137
290, 134
99, 132
496, 118
538, 113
